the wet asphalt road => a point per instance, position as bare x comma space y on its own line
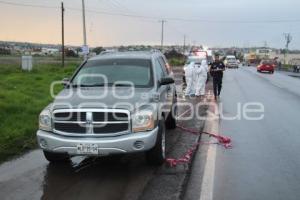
265, 161
32, 177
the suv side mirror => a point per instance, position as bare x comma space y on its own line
166, 81
66, 82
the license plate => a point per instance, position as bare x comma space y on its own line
87, 149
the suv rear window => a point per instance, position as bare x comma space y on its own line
136, 71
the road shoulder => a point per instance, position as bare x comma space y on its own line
201, 181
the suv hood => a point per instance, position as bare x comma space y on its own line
96, 98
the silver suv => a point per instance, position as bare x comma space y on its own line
115, 103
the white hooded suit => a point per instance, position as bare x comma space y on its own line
201, 78
189, 72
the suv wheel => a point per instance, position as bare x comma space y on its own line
171, 120
157, 155
56, 157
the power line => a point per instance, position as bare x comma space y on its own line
113, 6
178, 31
28, 5
122, 6
157, 18
189, 20
117, 5
108, 4
182, 34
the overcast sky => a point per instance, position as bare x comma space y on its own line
222, 22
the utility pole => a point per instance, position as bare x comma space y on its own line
162, 34
288, 39
265, 48
84, 29
63, 33
184, 38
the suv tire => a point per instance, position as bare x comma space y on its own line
171, 119
156, 156
56, 157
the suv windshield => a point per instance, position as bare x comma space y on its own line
231, 59
119, 72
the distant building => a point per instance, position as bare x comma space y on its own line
263, 52
50, 51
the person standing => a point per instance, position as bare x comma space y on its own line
189, 78
279, 65
216, 70
201, 73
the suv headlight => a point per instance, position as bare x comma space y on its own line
45, 122
143, 121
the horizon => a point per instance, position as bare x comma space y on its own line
166, 45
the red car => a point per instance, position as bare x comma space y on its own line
266, 66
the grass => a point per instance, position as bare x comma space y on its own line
23, 95
287, 66
177, 61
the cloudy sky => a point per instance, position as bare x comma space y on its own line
210, 22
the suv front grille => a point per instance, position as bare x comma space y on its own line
70, 116
91, 122
101, 117
70, 128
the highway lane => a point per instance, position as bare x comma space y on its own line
265, 161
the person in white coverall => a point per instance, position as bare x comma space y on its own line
201, 78
189, 72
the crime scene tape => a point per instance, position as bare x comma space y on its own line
186, 158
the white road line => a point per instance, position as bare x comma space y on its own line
207, 187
